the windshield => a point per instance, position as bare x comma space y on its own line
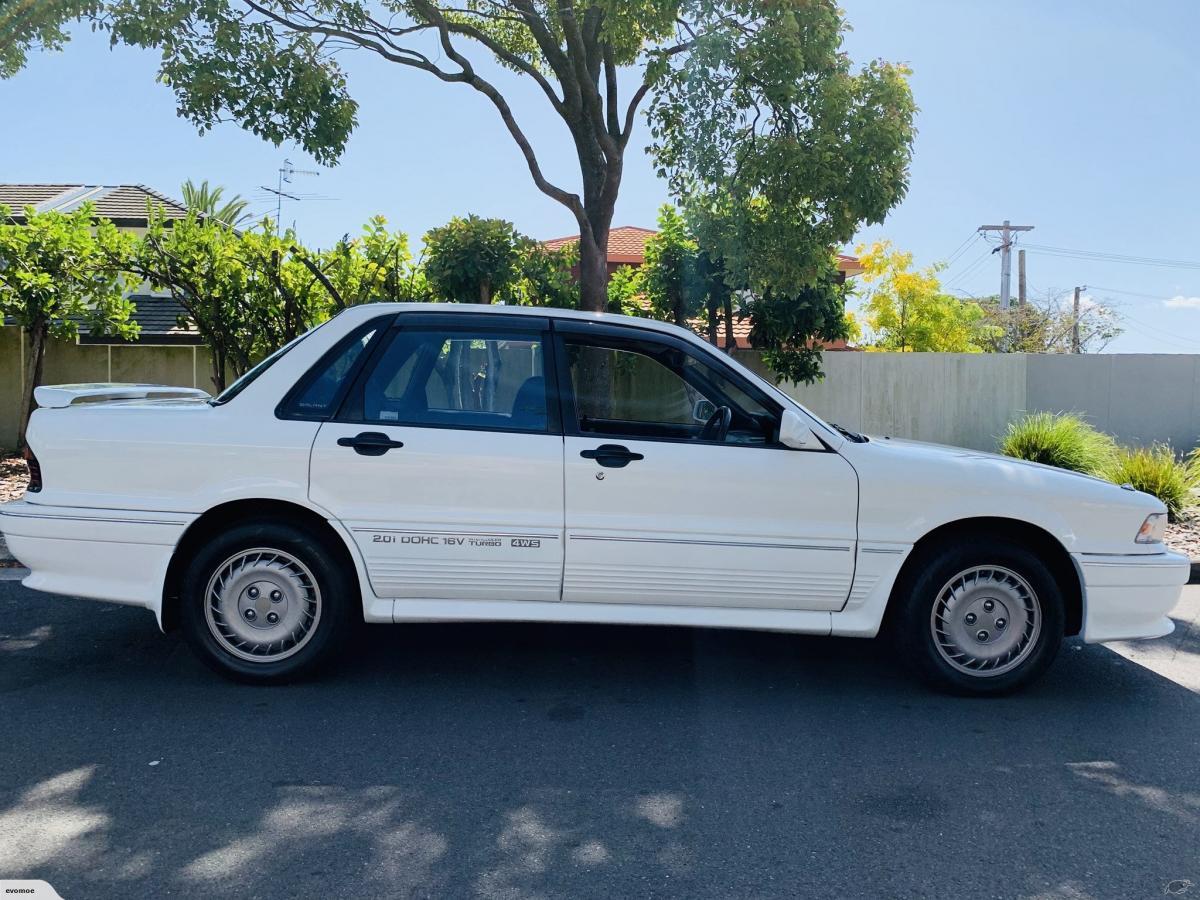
242, 383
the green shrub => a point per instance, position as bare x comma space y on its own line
1158, 471
1060, 439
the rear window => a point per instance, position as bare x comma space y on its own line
317, 395
246, 380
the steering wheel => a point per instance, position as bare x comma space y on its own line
717, 426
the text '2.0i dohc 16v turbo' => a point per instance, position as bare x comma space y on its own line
416, 463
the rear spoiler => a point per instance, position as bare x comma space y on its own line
56, 396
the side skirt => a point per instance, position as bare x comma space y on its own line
799, 621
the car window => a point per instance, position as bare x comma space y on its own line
251, 375
456, 378
645, 390
321, 385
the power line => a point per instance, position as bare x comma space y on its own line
1102, 256
962, 248
975, 264
1111, 290
1149, 331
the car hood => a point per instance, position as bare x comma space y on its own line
948, 453
916, 487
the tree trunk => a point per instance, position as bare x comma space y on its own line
593, 273
730, 344
712, 319
34, 361
218, 370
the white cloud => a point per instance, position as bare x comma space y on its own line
1181, 302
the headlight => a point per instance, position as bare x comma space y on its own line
1152, 529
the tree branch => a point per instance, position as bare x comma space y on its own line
299, 253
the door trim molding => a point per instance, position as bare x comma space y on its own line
705, 543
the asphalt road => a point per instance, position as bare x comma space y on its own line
576, 761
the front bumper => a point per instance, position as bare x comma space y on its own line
1129, 597
104, 554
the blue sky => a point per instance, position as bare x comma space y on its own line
1080, 117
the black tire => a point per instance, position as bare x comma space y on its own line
320, 590
992, 561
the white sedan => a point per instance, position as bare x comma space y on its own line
416, 463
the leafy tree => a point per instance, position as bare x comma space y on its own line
1045, 325
375, 266
200, 261
476, 260
58, 271
249, 293
828, 149
211, 202
472, 260
35, 26
625, 291
907, 309
544, 277
669, 275
779, 152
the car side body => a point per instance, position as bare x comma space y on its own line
485, 517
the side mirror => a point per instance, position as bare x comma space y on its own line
795, 432
703, 410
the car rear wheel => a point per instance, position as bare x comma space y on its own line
980, 619
266, 602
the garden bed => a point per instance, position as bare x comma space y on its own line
14, 475
1184, 536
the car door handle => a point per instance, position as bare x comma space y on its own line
370, 443
612, 456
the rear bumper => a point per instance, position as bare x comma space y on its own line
104, 554
1129, 597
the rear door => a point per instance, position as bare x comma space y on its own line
445, 461
666, 505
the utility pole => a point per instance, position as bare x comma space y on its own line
1075, 319
1021, 279
1007, 230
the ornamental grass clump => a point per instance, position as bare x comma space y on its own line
1158, 471
1060, 439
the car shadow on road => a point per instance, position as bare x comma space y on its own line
543, 760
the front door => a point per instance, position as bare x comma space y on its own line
677, 491
445, 462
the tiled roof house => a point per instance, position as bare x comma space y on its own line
125, 205
627, 247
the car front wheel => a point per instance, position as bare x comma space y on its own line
981, 619
265, 602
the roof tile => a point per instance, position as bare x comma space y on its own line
125, 204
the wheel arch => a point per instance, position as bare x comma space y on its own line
212, 521
1048, 547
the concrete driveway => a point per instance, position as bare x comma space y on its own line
536, 761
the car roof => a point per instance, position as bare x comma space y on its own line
500, 309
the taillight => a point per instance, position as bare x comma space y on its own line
35, 470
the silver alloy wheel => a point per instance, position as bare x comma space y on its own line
986, 621
262, 605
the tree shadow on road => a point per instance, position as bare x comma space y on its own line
538, 760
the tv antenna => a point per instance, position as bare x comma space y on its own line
286, 172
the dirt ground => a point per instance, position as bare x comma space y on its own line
13, 477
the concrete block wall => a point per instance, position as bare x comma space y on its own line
67, 363
968, 399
